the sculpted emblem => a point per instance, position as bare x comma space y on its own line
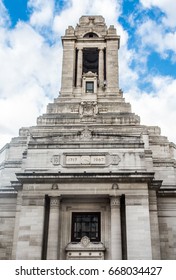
115, 159
55, 160
88, 108
86, 134
85, 160
85, 241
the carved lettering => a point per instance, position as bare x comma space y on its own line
98, 160
86, 160
72, 159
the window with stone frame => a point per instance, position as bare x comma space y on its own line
86, 224
89, 87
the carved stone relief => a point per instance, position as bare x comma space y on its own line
115, 159
115, 202
88, 108
55, 186
86, 134
115, 186
85, 241
54, 202
55, 160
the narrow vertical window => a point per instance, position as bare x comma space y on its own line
76, 66
45, 228
89, 87
104, 64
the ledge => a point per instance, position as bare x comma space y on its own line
85, 245
44, 177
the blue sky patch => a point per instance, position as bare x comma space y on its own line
17, 10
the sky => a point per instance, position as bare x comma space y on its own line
31, 57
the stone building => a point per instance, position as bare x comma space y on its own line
88, 181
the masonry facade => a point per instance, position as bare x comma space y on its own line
88, 181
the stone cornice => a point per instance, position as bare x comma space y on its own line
164, 162
43, 177
92, 246
8, 192
167, 191
11, 164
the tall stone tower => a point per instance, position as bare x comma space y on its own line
88, 181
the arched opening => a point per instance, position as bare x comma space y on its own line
90, 35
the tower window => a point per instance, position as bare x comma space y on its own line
90, 35
85, 224
89, 87
90, 60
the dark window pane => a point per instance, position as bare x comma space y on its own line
90, 87
90, 60
90, 35
86, 224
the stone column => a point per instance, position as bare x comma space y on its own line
101, 67
79, 67
53, 231
116, 247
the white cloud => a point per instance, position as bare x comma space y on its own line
167, 6
42, 12
154, 35
25, 57
158, 107
29, 80
125, 72
110, 9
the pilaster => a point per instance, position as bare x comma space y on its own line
68, 67
79, 67
116, 249
101, 68
112, 66
53, 231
